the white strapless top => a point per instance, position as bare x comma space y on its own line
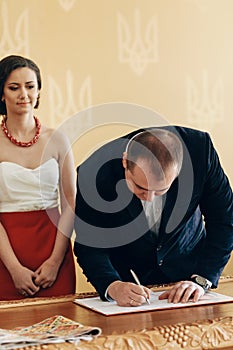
24, 189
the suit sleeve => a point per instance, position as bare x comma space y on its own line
217, 209
94, 261
97, 267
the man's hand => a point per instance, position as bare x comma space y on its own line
128, 294
182, 292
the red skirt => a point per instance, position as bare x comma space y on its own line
32, 236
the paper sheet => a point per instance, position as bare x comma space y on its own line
111, 308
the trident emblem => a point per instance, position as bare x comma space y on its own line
60, 105
20, 42
205, 106
67, 4
138, 48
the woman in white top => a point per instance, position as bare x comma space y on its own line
37, 191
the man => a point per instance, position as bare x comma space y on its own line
156, 201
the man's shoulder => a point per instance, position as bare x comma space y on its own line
177, 129
184, 130
114, 149
107, 151
188, 135
110, 149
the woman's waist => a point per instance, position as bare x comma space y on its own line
30, 212
27, 205
28, 218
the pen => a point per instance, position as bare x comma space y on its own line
138, 283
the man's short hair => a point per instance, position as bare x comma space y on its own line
162, 149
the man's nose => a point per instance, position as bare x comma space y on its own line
149, 196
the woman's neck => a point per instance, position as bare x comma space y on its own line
20, 124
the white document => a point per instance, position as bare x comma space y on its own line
111, 308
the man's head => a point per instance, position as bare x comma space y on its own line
152, 160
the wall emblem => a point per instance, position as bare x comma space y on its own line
65, 102
16, 40
67, 4
205, 103
137, 46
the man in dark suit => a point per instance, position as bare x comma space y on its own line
156, 201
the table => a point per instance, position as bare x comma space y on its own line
199, 327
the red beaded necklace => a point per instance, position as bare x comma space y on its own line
19, 143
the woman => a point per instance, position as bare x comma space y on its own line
36, 164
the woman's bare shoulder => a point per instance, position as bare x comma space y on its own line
56, 140
55, 135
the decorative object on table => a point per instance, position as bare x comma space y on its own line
55, 329
210, 334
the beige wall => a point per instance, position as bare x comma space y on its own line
171, 56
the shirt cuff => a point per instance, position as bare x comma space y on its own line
107, 297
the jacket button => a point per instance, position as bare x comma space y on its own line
161, 263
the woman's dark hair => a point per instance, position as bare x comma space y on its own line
9, 64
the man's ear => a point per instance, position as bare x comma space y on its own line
124, 160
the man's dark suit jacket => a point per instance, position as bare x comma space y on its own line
196, 229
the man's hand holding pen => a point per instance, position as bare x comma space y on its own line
128, 294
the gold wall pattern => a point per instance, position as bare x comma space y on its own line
68, 104
67, 4
205, 105
136, 46
173, 56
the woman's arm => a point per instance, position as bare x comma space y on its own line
47, 272
21, 276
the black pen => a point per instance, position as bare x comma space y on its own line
138, 283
